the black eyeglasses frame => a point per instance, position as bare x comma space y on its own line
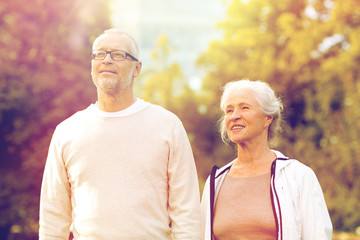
110, 52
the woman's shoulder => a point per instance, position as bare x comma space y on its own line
292, 164
224, 169
284, 162
297, 172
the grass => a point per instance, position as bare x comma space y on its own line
345, 236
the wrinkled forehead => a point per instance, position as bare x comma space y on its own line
112, 41
238, 97
237, 93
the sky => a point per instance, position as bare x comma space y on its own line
190, 26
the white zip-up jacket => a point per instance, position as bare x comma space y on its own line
297, 200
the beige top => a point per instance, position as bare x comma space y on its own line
243, 209
120, 176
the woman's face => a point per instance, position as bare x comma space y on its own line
244, 119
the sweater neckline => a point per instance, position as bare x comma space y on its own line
137, 106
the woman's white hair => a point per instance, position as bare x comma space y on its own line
270, 104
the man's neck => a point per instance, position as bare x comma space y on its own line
115, 103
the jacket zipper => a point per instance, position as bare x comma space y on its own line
273, 192
212, 198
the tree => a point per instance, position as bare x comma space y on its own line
44, 78
308, 52
163, 83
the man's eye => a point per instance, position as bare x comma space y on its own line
118, 55
99, 54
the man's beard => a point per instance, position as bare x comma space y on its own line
114, 86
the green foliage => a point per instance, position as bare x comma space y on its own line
164, 84
44, 78
309, 52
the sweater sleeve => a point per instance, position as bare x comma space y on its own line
316, 223
184, 196
55, 203
205, 211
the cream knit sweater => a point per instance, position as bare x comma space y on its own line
114, 176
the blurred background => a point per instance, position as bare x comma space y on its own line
308, 50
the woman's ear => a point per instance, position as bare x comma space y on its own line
268, 120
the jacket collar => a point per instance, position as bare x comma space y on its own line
280, 158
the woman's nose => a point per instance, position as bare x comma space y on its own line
235, 116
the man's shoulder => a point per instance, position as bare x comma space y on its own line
74, 119
161, 112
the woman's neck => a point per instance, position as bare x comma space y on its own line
252, 160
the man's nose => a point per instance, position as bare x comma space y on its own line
108, 58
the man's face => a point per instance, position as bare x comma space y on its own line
114, 77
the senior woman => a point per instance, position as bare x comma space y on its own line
262, 194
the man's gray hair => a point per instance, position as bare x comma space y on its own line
134, 48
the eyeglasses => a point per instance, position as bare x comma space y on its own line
116, 55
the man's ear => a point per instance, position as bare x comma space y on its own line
137, 69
